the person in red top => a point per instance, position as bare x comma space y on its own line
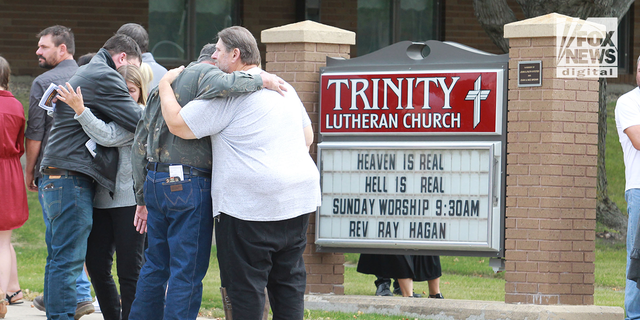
13, 195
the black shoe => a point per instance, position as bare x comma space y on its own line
436, 296
38, 302
383, 290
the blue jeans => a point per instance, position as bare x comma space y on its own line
179, 233
631, 292
67, 204
83, 286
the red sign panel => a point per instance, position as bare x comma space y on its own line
445, 102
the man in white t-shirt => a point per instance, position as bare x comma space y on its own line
628, 125
264, 182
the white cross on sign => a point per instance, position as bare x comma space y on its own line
476, 95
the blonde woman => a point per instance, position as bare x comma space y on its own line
113, 229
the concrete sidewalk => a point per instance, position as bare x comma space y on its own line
441, 309
25, 311
422, 308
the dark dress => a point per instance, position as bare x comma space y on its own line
13, 194
418, 268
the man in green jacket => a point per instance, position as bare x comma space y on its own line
172, 178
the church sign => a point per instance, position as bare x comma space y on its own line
411, 103
412, 156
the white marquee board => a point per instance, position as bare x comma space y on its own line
410, 195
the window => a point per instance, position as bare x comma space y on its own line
626, 61
384, 22
179, 28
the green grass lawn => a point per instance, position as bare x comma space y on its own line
463, 277
614, 161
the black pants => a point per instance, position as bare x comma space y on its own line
113, 231
381, 280
254, 255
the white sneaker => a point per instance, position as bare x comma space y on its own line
96, 305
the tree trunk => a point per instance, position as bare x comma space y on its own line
493, 15
607, 212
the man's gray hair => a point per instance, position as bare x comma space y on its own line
206, 53
241, 38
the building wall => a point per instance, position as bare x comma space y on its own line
92, 22
259, 15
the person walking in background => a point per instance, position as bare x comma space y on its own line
113, 230
628, 125
56, 47
15, 210
140, 35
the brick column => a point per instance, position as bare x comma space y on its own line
551, 175
296, 52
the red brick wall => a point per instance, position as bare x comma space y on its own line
299, 64
92, 22
551, 183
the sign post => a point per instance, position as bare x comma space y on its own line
412, 157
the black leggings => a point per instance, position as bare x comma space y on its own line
113, 231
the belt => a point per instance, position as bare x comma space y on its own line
61, 172
163, 167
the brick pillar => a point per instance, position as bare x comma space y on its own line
551, 175
296, 52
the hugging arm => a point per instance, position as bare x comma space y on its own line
171, 108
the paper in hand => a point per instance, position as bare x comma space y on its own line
91, 146
46, 102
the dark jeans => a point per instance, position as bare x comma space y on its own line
67, 201
113, 231
179, 231
254, 255
83, 286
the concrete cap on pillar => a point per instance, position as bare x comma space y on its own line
546, 26
308, 31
